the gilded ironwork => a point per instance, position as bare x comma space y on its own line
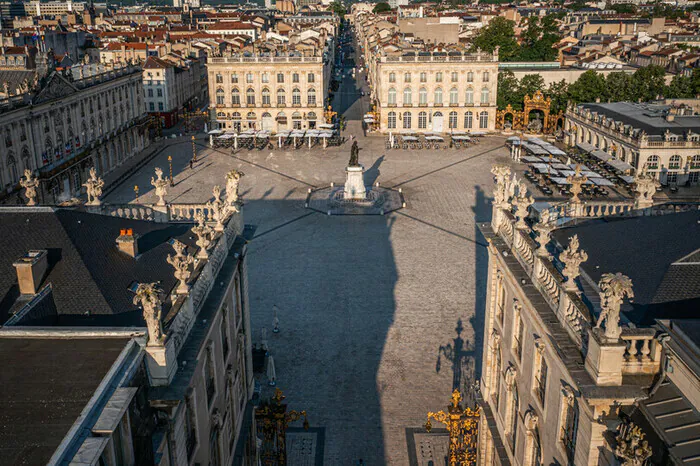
463, 427
521, 118
329, 114
272, 420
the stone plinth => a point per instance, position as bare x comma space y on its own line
355, 183
604, 358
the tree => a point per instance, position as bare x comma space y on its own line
622, 8
559, 93
649, 82
338, 8
538, 38
381, 7
681, 87
498, 33
530, 84
620, 87
508, 91
587, 88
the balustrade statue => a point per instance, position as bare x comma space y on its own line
181, 263
204, 233
521, 203
613, 289
29, 183
93, 187
148, 295
161, 186
544, 229
572, 258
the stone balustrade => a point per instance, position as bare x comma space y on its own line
643, 352
264, 59
169, 213
467, 57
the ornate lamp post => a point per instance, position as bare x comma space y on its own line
463, 426
136, 191
272, 420
170, 163
194, 151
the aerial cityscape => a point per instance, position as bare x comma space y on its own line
315, 232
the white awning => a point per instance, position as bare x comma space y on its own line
601, 155
601, 182
584, 146
215, 131
619, 165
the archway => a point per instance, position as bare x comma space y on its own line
437, 122
267, 123
535, 120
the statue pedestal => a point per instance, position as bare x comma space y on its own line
355, 183
604, 358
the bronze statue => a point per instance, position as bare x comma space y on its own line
354, 154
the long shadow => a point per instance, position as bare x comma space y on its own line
482, 214
461, 354
372, 173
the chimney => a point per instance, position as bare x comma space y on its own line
670, 116
31, 269
128, 242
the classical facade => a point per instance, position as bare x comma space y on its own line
436, 92
92, 115
660, 139
562, 365
268, 92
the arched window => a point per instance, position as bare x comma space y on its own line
392, 96
281, 99
653, 162
220, 116
483, 120
266, 96
452, 120
296, 120
251, 116
485, 95
311, 116
468, 120
469, 96
438, 96
235, 97
422, 120
674, 162
406, 120
391, 120
250, 96
311, 97
236, 116
296, 96
695, 162
407, 96
454, 96
422, 96
219, 96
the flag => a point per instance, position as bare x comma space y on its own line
44, 158
77, 141
57, 153
67, 148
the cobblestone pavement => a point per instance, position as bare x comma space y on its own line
368, 305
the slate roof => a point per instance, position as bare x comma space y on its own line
90, 277
649, 118
44, 386
659, 253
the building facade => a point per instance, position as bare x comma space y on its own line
435, 92
660, 139
91, 116
268, 93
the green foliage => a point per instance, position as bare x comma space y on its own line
508, 91
649, 82
588, 87
338, 8
537, 39
622, 8
498, 33
559, 93
381, 7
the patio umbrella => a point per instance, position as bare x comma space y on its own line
263, 338
275, 320
235, 141
271, 373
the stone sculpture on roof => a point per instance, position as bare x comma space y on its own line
613, 289
148, 296
29, 183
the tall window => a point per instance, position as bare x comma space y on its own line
438, 77
407, 120
483, 120
295, 77
438, 96
469, 96
422, 96
674, 163
452, 120
485, 94
454, 77
422, 120
296, 96
219, 78
514, 409
391, 120
219, 96
407, 77
281, 99
424, 77
470, 77
209, 381
311, 97
518, 332
485, 77
392, 96
265, 78
497, 379
407, 96
454, 96
190, 425
652, 161
392, 77
266, 96
249, 77
311, 78
468, 120
235, 97
541, 380
500, 299
224, 331
250, 96
280, 77
569, 421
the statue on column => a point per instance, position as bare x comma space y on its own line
203, 232
576, 181
181, 263
644, 188
354, 155
233, 178
218, 208
148, 296
613, 289
161, 186
543, 228
572, 258
93, 187
521, 203
29, 184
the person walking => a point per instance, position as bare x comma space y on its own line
191, 165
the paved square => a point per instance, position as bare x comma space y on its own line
377, 313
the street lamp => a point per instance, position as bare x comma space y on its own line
273, 419
194, 151
136, 191
170, 163
463, 426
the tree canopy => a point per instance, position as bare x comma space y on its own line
338, 8
381, 7
537, 39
